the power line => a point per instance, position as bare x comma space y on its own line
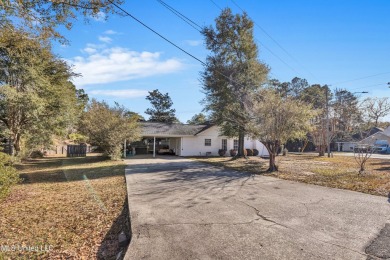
369, 86
220, 8
182, 17
193, 24
275, 41
268, 49
365, 77
164, 38
155, 32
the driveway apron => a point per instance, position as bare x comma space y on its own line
183, 209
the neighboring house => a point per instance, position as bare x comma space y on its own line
385, 135
189, 140
366, 137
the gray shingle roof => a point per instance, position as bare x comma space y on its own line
373, 138
166, 129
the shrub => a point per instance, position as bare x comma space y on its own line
221, 152
255, 152
8, 175
107, 127
78, 138
233, 152
36, 154
249, 152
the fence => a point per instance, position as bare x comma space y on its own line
76, 150
63, 149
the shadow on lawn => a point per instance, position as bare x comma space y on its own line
385, 166
54, 173
54, 162
110, 247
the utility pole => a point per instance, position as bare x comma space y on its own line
327, 121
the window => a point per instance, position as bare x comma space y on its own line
224, 144
235, 144
207, 142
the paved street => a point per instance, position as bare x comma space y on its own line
182, 209
375, 155
337, 154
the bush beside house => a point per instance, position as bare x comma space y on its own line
8, 175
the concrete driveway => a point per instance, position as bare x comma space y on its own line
182, 209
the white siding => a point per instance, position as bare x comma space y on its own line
195, 145
255, 144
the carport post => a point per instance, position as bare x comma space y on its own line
154, 146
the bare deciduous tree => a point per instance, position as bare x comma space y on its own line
376, 108
363, 152
319, 134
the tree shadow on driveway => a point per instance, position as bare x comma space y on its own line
193, 181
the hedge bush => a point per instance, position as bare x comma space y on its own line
233, 152
8, 175
249, 152
255, 152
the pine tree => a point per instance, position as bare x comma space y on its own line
233, 73
161, 111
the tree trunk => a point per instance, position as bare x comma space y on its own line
272, 148
241, 145
272, 163
16, 143
321, 150
304, 145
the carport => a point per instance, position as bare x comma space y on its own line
163, 137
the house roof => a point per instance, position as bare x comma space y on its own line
377, 136
365, 134
171, 129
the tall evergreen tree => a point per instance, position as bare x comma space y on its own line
233, 73
198, 119
161, 110
346, 112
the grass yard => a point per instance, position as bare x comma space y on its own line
338, 172
76, 207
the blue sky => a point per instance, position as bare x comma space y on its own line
325, 41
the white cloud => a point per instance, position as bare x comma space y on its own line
110, 32
89, 50
122, 93
100, 17
105, 65
194, 42
105, 39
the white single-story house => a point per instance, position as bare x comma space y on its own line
192, 140
371, 136
346, 146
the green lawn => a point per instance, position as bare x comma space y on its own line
73, 206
